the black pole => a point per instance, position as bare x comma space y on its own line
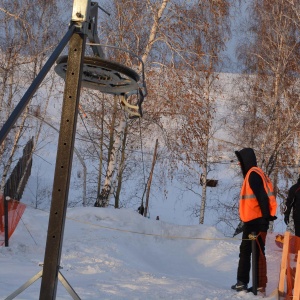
34, 86
5, 220
254, 263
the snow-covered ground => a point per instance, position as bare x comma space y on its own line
118, 254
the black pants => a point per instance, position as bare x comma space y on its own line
297, 226
244, 266
297, 234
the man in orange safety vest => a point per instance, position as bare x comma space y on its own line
257, 207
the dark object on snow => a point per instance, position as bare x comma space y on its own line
239, 229
141, 210
157, 218
209, 182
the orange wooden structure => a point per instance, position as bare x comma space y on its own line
289, 277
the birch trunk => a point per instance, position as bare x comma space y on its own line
106, 192
204, 186
13, 151
103, 198
121, 169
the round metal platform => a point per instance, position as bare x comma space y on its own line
103, 75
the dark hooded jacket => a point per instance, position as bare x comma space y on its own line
247, 160
293, 201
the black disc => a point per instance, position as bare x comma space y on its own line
100, 74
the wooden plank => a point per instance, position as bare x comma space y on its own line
296, 295
285, 253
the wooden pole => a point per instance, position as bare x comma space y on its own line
254, 264
150, 179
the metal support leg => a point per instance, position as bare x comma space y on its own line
25, 285
33, 279
67, 286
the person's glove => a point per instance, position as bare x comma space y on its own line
286, 220
271, 218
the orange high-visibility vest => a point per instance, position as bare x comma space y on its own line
249, 207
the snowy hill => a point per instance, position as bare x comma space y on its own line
118, 254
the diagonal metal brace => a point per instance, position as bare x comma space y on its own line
25, 285
34, 86
37, 276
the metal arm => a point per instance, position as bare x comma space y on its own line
34, 86
92, 31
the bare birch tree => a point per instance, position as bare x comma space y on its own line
184, 39
27, 34
268, 112
128, 35
192, 94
